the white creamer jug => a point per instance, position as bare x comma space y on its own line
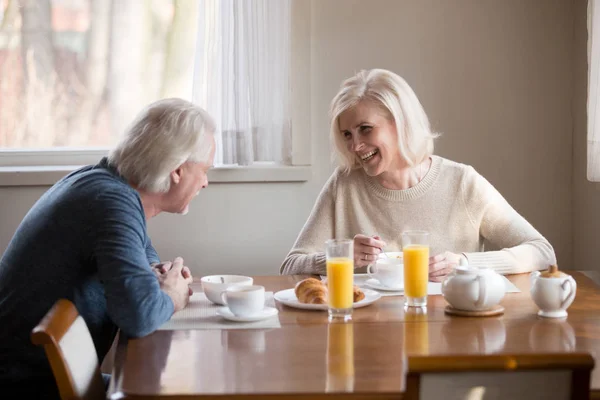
553, 292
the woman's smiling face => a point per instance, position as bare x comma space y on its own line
370, 135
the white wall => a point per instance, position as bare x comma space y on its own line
494, 76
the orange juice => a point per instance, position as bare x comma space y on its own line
340, 279
416, 270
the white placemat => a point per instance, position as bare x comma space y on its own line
202, 314
433, 288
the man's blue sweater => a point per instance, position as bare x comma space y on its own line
84, 240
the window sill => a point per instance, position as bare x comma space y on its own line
260, 174
49, 175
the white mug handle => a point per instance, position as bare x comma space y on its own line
369, 272
482, 298
570, 291
224, 298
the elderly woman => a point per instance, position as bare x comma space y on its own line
388, 181
85, 240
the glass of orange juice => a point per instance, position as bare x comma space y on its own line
415, 248
340, 278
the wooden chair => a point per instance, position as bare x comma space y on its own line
524, 376
71, 352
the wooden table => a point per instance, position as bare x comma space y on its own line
307, 357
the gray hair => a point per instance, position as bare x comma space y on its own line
162, 137
394, 96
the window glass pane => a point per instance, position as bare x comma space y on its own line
73, 73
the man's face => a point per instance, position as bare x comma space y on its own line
186, 183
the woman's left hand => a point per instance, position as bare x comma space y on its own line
442, 264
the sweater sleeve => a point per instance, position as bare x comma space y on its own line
307, 255
523, 248
135, 301
151, 253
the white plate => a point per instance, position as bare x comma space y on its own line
375, 284
288, 297
267, 312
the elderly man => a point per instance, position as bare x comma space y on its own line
86, 240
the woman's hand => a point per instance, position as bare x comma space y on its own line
366, 249
442, 264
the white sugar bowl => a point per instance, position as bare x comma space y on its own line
473, 289
553, 292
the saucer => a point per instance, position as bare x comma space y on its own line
267, 312
375, 284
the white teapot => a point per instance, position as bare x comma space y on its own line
473, 289
553, 292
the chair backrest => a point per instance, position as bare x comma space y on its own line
523, 376
71, 352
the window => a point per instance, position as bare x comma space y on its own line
242, 78
73, 74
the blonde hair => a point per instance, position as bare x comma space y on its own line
163, 136
394, 95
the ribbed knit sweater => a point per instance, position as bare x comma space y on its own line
458, 207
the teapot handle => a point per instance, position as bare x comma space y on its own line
482, 298
570, 290
533, 277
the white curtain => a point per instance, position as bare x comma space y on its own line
593, 105
242, 78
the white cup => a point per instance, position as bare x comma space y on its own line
389, 272
215, 285
244, 301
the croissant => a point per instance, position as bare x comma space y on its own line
358, 294
311, 291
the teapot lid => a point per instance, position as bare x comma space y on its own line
466, 270
553, 272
